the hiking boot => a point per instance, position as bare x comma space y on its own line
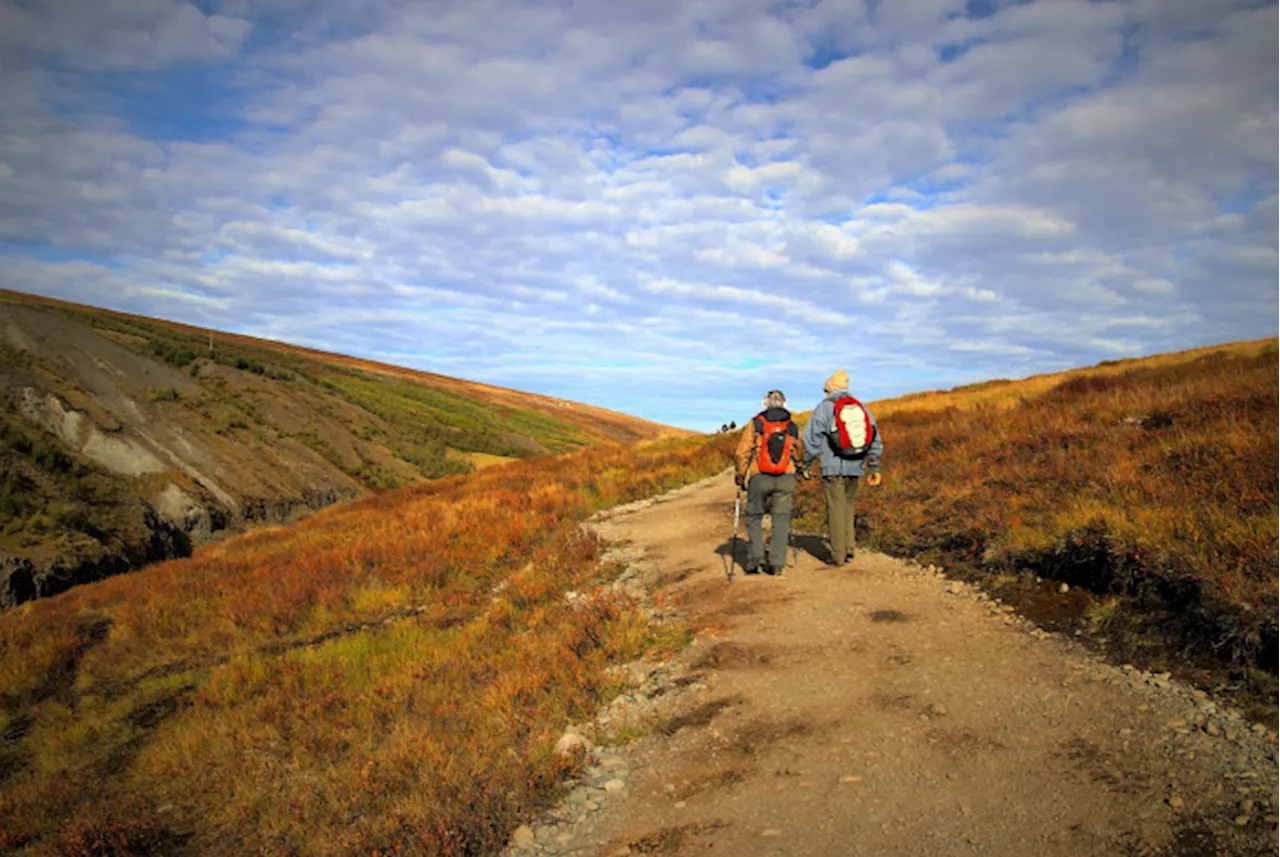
752, 568
776, 570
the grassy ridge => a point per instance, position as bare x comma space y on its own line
1151, 483
419, 424
386, 676
124, 439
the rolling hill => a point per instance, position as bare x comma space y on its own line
1144, 489
392, 674
126, 440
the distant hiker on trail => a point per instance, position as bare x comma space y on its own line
844, 438
767, 458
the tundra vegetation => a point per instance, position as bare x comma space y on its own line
1148, 486
387, 676
390, 675
250, 431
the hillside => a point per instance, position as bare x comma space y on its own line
1145, 489
388, 675
126, 440
391, 675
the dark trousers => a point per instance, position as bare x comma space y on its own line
839, 491
777, 492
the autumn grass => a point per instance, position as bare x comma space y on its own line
1153, 480
386, 677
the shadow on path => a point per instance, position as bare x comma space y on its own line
736, 551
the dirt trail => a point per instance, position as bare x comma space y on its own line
882, 709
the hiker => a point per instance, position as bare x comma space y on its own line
846, 448
768, 456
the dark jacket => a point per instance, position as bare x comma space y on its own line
748, 454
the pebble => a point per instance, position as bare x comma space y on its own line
1176, 802
772, 831
523, 837
614, 786
1242, 820
1063, 589
850, 779
938, 709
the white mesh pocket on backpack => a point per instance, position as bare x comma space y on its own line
854, 420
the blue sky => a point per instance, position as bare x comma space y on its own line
664, 207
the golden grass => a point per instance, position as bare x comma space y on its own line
385, 677
1158, 469
481, 460
1010, 393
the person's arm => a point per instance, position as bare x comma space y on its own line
815, 431
745, 452
873, 456
797, 452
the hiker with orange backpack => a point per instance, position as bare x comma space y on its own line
843, 436
768, 455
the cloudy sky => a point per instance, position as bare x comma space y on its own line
664, 207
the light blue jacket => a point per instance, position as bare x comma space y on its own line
816, 445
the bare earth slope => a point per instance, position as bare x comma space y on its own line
882, 709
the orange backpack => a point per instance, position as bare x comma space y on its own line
776, 442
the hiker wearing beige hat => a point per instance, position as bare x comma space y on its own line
843, 436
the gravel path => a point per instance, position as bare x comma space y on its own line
883, 709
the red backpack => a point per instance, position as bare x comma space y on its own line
776, 442
852, 431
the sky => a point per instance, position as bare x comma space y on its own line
664, 208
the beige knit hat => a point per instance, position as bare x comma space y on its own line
838, 381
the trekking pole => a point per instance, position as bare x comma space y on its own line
733, 551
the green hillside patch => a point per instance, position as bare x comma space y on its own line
426, 417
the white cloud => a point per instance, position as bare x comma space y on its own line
508, 191
118, 34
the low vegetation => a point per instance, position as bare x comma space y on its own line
46, 490
388, 676
243, 430
1149, 483
429, 428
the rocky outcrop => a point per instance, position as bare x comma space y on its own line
22, 579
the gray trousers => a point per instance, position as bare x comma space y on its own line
839, 491
778, 492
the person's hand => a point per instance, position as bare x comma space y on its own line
873, 478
